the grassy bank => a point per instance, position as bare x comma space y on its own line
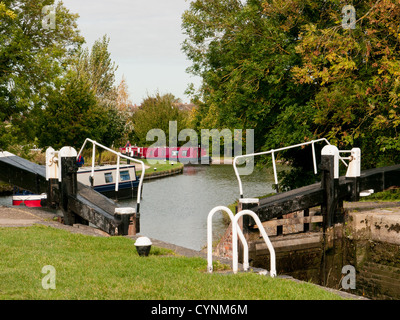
109, 268
162, 166
152, 168
392, 194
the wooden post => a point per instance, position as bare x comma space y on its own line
53, 193
127, 219
69, 186
137, 218
355, 192
247, 204
330, 186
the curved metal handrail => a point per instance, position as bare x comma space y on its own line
209, 238
271, 249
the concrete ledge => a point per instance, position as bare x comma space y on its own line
379, 224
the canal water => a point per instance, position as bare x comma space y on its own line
175, 209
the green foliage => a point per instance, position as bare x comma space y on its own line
72, 116
156, 112
32, 61
99, 70
355, 77
392, 194
291, 72
86, 104
230, 46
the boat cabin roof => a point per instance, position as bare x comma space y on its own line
105, 168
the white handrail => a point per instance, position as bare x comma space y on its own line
119, 155
271, 249
272, 152
209, 238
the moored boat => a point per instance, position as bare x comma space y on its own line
103, 181
114, 181
105, 178
186, 155
28, 199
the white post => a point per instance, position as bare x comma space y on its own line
331, 150
314, 158
274, 166
52, 164
93, 161
354, 169
117, 179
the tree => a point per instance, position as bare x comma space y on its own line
85, 105
33, 60
99, 70
124, 105
289, 70
243, 60
72, 116
156, 113
356, 79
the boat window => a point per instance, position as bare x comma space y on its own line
125, 176
184, 153
175, 153
109, 178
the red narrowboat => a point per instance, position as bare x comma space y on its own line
192, 155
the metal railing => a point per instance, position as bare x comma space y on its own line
119, 156
209, 238
273, 152
271, 249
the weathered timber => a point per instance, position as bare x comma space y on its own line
292, 221
69, 187
380, 179
93, 213
293, 242
288, 202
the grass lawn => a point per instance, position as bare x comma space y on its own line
161, 166
93, 268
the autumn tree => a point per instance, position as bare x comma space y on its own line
244, 59
294, 71
99, 69
124, 107
355, 76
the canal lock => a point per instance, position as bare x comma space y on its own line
327, 259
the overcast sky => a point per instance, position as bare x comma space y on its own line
145, 42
